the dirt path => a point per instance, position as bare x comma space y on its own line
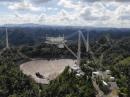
100, 93
113, 93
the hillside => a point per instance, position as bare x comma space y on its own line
125, 61
110, 54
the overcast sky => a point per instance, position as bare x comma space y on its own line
108, 13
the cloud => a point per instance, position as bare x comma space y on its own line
125, 17
42, 17
31, 1
64, 16
10, 0
89, 16
95, 12
23, 6
70, 4
124, 12
39, 2
71, 12
106, 0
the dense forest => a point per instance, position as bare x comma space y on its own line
13, 83
116, 57
28, 43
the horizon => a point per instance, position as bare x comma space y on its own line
58, 25
94, 13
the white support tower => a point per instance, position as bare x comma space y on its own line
79, 49
87, 41
7, 39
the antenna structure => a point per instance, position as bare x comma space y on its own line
62, 41
86, 43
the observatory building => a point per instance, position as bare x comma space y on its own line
103, 75
59, 41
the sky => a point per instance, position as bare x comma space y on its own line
99, 13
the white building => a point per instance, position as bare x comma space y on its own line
106, 75
97, 74
77, 69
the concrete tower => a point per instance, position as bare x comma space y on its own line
88, 41
7, 39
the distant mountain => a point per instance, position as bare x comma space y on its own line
42, 25
39, 25
22, 25
20, 34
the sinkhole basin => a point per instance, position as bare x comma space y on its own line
46, 69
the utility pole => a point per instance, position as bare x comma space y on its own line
7, 39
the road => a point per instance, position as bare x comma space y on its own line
100, 93
113, 93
